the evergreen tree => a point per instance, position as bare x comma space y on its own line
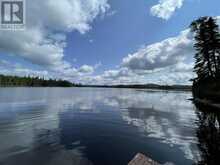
214, 42
207, 45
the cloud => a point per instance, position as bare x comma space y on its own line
166, 76
162, 54
166, 8
166, 62
66, 15
169, 61
44, 40
66, 73
8, 68
86, 69
33, 46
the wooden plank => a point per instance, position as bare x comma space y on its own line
141, 159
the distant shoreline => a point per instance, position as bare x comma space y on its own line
15, 81
157, 87
168, 88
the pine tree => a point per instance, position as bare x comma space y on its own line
214, 42
207, 45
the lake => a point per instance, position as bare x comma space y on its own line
97, 126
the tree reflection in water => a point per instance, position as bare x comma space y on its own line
208, 134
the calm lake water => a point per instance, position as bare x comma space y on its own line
85, 126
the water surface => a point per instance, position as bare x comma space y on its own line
85, 126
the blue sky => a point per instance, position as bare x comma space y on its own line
106, 41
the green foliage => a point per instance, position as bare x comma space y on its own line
207, 45
10, 81
207, 64
207, 89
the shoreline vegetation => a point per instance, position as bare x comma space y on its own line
206, 86
15, 81
145, 86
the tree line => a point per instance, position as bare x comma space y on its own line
7, 81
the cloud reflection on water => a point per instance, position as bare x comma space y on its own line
68, 124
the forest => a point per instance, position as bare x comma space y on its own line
15, 81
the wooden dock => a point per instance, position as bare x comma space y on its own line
141, 159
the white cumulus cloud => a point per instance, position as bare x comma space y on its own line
86, 69
161, 54
165, 8
48, 21
169, 61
